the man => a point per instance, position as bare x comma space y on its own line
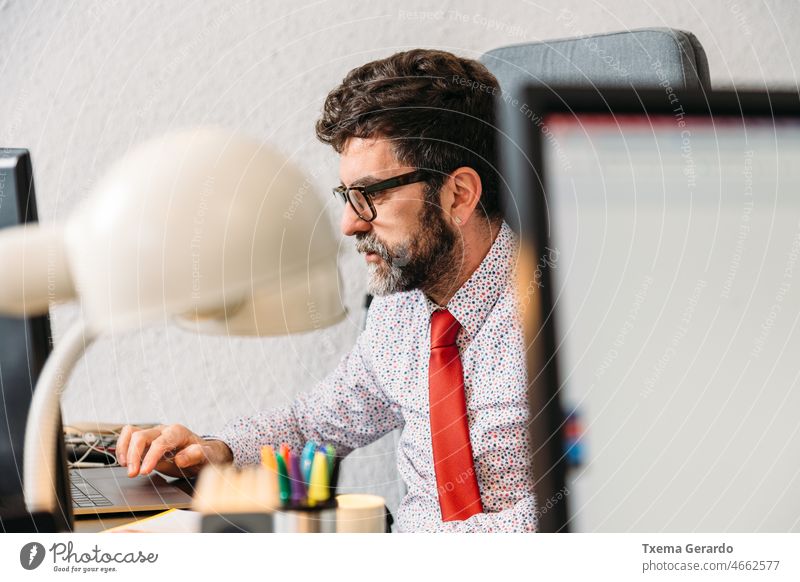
442, 355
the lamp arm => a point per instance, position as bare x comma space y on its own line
39, 457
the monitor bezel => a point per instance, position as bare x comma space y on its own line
18, 162
521, 113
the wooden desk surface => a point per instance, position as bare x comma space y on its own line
92, 524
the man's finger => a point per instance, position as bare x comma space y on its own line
139, 441
122, 443
157, 449
192, 455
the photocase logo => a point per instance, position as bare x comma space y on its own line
31, 555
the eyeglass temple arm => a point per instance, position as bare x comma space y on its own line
416, 176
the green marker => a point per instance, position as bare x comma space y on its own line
330, 452
284, 486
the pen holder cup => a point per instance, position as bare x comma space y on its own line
318, 519
246, 500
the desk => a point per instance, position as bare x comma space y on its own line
93, 524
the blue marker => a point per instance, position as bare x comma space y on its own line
306, 458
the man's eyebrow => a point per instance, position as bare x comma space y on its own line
363, 181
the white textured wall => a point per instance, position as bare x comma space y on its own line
82, 81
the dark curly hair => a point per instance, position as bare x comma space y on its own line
437, 108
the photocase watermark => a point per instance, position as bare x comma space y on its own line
2, 182
101, 7
544, 129
14, 118
744, 226
197, 234
66, 559
566, 16
619, 340
777, 304
690, 167
31, 555
547, 260
475, 18
461, 479
189, 50
316, 321
154, 395
9, 136
475, 85
297, 200
681, 329
543, 508
741, 20
511, 100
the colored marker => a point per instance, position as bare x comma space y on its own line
269, 463
318, 491
285, 451
268, 458
296, 478
306, 459
330, 452
284, 489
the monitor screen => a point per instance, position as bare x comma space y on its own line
24, 346
675, 260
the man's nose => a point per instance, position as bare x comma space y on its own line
351, 224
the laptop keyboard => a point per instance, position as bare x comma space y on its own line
84, 494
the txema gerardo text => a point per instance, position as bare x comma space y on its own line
687, 549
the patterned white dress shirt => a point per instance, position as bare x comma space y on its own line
382, 384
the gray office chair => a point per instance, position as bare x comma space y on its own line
642, 58
646, 57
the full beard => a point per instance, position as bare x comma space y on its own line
426, 260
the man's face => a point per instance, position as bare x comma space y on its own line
408, 245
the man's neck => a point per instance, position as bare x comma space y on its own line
476, 243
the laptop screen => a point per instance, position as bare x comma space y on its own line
675, 260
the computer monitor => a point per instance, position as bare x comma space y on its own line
24, 346
665, 228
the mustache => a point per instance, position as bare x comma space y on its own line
369, 243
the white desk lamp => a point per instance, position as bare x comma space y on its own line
212, 228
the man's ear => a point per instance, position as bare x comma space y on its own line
464, 185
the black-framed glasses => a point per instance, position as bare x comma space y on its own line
360, 197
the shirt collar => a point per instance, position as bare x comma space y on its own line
472, 303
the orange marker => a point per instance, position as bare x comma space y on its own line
285, 453
270, 463
268, 458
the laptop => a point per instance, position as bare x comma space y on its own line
100, 490
96, 488
663, 236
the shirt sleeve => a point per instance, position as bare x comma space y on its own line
520, 518
347, 409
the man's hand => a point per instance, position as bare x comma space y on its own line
171, 449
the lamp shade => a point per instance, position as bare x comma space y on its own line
209, 226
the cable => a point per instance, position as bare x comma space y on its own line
91, 441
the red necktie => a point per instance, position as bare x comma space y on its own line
456, 482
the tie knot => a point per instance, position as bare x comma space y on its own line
444, 329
